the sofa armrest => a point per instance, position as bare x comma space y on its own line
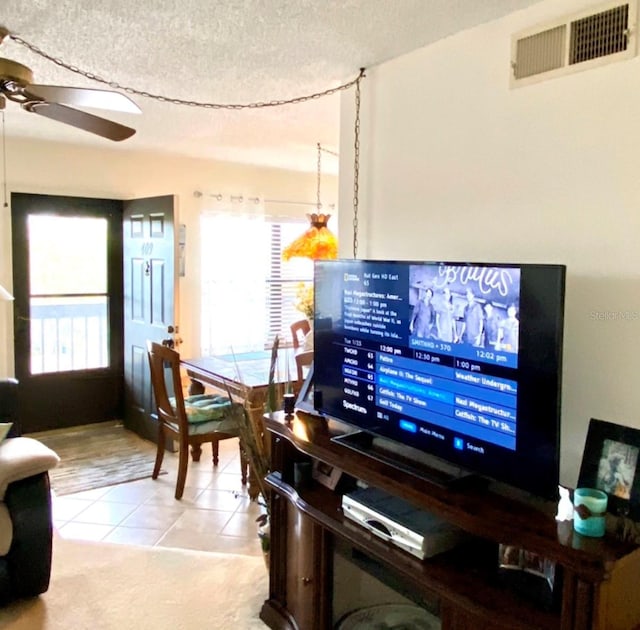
25, 571
23, 457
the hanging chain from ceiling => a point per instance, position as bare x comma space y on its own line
235, 106
356, 164
319, 205
321, 149
178, 101
330, 152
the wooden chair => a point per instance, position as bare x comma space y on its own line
303, 360
192, 421
299, 330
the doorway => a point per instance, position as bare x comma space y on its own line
68, 309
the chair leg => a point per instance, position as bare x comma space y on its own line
196, 452
159, 452
215, 450
183, 462
244, 464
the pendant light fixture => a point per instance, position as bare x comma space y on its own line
317, 242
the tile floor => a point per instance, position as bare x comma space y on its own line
214, 514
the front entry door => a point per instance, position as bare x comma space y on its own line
150, 290
67, 283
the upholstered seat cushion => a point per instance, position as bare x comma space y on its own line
206, 407
209, 412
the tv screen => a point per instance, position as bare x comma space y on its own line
461, 361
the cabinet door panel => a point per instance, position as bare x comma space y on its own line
301, 579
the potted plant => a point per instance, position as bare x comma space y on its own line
253, 441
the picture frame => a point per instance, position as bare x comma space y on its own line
326, 474
304, 402
611, 463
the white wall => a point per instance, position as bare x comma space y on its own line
455, 165
47, 168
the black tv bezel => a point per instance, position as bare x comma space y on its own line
535, 464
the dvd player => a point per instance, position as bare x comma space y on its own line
393, 519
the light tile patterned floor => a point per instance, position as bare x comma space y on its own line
215, 513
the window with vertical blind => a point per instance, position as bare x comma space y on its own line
248, 292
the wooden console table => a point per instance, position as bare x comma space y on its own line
599, 577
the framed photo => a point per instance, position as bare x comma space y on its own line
304, 402
611, 462
325, 474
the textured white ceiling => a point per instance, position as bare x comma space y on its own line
232, 51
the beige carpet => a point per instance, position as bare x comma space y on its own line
97, 455
101, 586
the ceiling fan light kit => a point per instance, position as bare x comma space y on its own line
15, 72
52, 101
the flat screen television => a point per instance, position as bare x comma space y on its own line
459, 361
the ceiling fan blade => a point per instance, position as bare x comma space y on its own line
100, 126
82, 97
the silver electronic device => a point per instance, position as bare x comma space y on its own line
418, 532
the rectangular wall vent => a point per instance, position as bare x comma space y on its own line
598, 35
574, 42
540, 52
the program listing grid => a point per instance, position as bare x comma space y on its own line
474, 404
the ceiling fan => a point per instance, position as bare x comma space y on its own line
51, 101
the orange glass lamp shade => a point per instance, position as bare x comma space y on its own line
316, 243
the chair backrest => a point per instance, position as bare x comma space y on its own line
303, 360
299, 330
164, 364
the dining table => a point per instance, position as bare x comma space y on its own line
245, 377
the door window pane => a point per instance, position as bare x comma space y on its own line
67, 255
68, 303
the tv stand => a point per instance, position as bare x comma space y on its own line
412, 461
323, 564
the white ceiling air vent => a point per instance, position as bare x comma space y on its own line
574, 42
